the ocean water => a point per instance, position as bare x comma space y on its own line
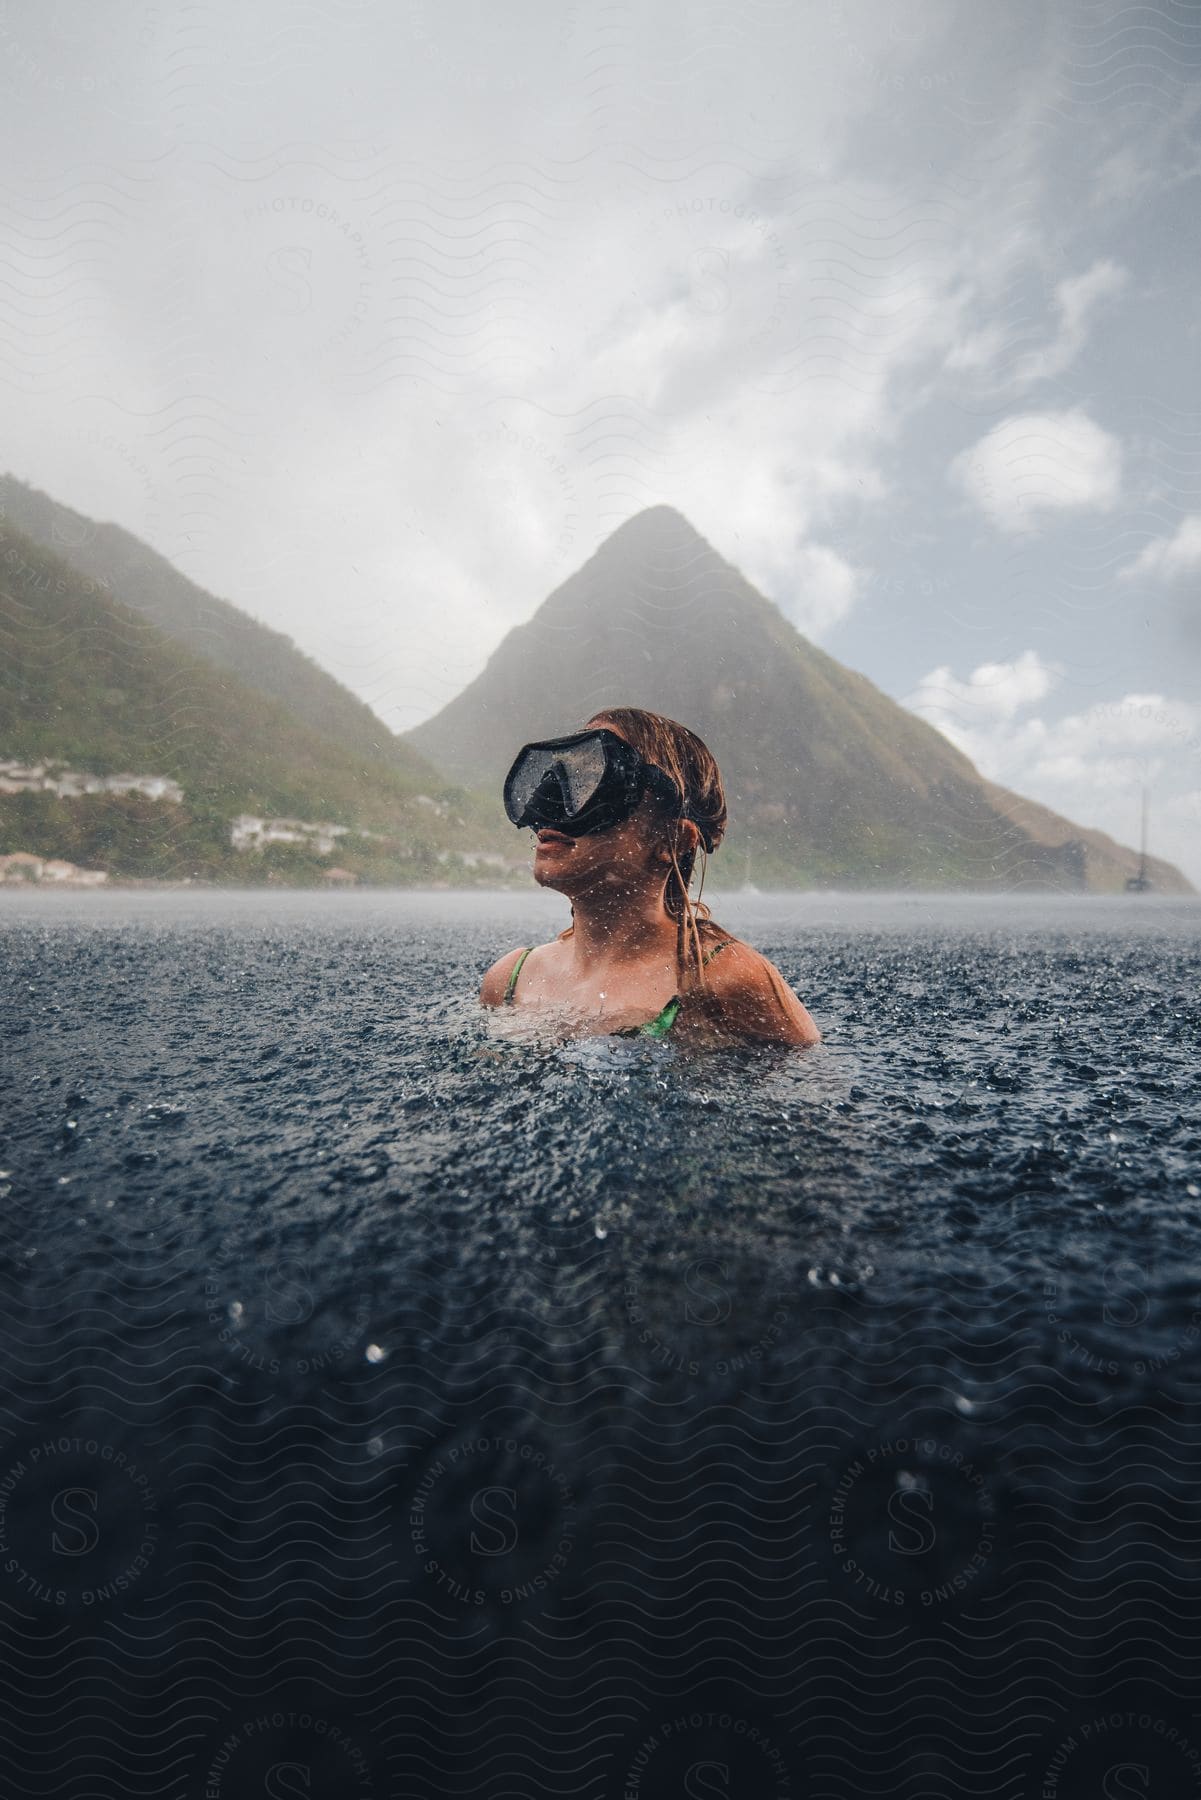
396, 1403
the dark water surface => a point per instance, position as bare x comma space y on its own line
395, 1405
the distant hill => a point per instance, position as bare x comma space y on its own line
210, 628
89, 681
829, 781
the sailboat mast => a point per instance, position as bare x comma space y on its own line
1138, 884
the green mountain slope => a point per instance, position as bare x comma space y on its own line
208, 627
829, 781
89, 682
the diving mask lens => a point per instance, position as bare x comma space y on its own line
576, 784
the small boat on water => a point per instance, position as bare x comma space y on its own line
1141, 883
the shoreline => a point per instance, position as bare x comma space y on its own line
186, 885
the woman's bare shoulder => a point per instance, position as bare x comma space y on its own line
496, 981
747, 996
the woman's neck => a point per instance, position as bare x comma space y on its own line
621, 927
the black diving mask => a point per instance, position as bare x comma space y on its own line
584, 783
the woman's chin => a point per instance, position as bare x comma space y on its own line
546, 875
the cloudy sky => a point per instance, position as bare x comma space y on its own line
377, 316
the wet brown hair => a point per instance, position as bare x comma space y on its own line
693, 768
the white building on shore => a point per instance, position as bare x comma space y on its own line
248, 832
47, 871
71, 784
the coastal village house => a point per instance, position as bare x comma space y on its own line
23, 866
247, 832
53, 778
250, 833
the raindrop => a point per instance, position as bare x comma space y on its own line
375, 1354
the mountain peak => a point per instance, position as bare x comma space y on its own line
828, 780
655, 526
656, 517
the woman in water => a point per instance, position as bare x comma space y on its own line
620, 810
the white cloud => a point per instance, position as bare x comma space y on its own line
1078, 294
1075, 299
978, 349
1040, 463
1123, 175
823, 588
978, 713
1171, 556
995, 690
993, 348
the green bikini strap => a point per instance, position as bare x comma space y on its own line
660, 1025
717, 948
515, 972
